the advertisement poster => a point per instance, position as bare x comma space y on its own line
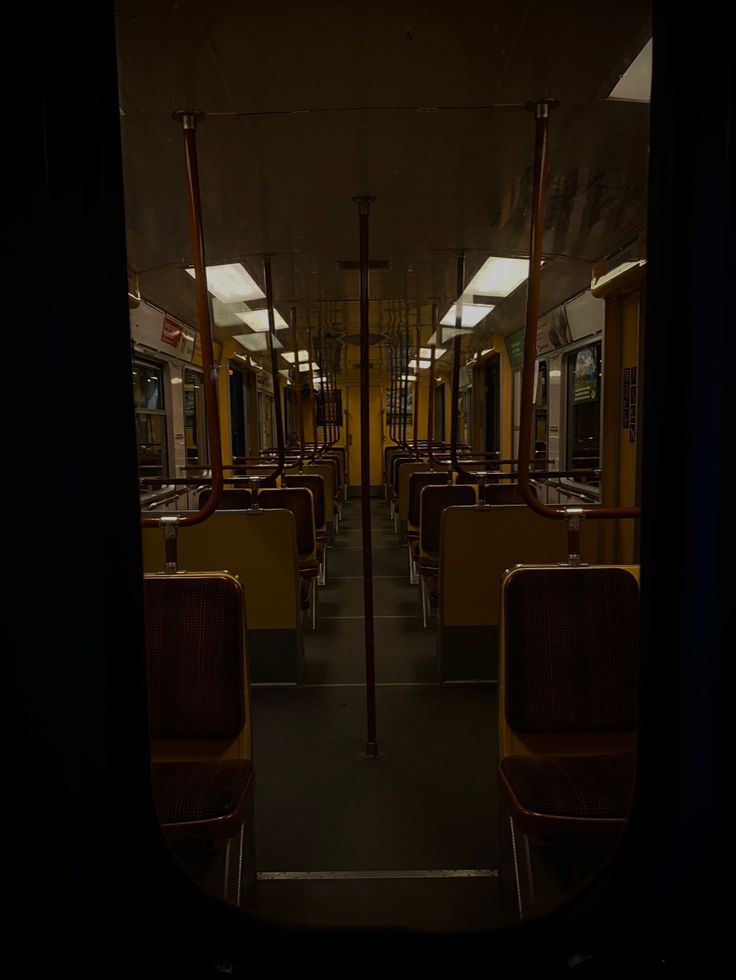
399, 406
586, 376
515, 348
159, 331
553, 331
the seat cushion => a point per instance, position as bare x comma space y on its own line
585, 787
202, 799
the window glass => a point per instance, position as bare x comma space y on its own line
194, 419
150, 419
583, 409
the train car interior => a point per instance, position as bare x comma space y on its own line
370, 476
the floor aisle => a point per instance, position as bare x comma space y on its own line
345, 840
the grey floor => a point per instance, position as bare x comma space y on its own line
408, 839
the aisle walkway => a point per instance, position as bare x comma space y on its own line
345, 840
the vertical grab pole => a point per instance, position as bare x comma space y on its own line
416, 394
541, 115
371, 745
312, 393
298, 386
274, 367
430, 389
456, 365
189, 130
171, 522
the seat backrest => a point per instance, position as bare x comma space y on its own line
315, 483
340, 461
570, 650
388, 454
195, 650
417, 482
433, 500
258, 546
478, 544
396, 462
237, 498
299, 501
327, 471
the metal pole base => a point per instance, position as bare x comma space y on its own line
371, 751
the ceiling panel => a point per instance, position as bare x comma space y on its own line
308, 105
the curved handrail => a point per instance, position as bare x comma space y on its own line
171, 522
541, 111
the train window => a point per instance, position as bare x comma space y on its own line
539, 434
290, 420
465, 417
492, 406
583, 375
265, 419
194, 419
238, 410
150, 418
439, 413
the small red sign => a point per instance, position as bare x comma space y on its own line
171, 332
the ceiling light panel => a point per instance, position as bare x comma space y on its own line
472, 315
258, 320
231, 283
498, 277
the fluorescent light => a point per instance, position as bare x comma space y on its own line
177, 381
447, 334
413, 365
427, 352
472, 314
635, 85
408, 377
498, 277
256, 341
258, 320
290, 356
230, 283
308, 367
616, 272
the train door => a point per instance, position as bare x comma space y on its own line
540, 434
238, 411
375, 408
492, 403
439, 412
582, 368
150, 418
291, 428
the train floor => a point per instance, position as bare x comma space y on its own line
409, 838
